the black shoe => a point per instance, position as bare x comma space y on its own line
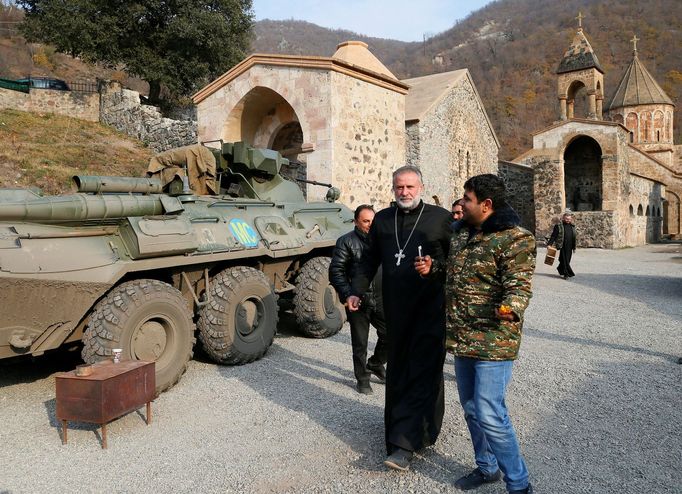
527, 490
364, 388
565, 276
399, 459
476, 479
378, 370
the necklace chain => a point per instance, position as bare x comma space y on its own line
400, 254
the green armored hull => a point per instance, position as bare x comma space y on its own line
148, 264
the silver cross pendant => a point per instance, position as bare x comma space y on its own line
399, 255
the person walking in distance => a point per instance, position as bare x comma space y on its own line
565, 238
488, 287
415, 314
345, 260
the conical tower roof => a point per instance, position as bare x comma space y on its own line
579, 56
638, 87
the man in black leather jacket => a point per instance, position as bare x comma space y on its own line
347, 254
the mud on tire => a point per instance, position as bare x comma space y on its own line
150, 320
239, 323
319, 313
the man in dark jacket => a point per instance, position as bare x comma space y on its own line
347, 255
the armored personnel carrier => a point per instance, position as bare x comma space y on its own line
206, 244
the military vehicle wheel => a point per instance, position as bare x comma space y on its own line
239, 323
319, 313
148, 319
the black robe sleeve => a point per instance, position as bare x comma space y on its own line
553, 237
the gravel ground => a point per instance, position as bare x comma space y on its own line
595, 400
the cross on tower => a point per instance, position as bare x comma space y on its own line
634, 41
580, 20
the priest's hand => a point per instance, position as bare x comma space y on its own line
353, 303
423, 265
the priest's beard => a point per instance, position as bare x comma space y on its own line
408, 204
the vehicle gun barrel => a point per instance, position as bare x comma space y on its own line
90, 183
81, 207
312, 182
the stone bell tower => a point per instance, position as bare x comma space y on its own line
580, 69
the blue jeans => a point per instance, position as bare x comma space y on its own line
482, 385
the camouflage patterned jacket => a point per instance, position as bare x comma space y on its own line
487, 269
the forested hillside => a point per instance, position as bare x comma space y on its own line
512, 48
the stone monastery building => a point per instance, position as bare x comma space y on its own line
348, 121
615, 164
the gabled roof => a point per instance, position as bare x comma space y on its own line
579, 56
427, 91
638, 87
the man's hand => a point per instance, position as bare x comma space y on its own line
353, 303
507, 316
423, 265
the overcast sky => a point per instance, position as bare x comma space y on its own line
406, 20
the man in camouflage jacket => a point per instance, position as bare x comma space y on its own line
488, 287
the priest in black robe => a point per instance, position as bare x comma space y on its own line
415, 314
565, 239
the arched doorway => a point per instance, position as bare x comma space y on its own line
257, 117
288, 140
265, 119
583, 175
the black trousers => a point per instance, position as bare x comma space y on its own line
359, 334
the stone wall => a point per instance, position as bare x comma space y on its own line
121, 109
455, 142
643, 215
595, 229
368, 140
519, 181
412, 143
70, 103
549, 200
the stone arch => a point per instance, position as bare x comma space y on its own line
618, 118
632, 210
658, 211
257, 117
648, 211
659, 126
640, 210
632, 124
583, 174
577, 100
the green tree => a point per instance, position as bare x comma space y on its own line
179, 44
